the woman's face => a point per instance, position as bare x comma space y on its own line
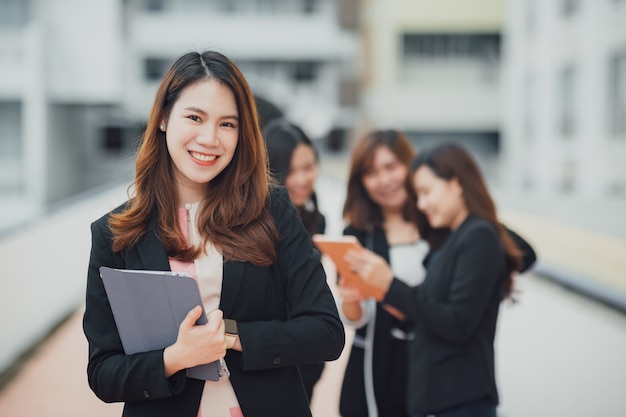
384, 181
440, 200
300, 180
202, 132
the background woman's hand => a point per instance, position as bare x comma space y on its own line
349, 294
373, 269
350, 300
196, 344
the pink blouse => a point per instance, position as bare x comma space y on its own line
218, 397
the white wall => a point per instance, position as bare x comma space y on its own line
429, 95
82, 50
538, 162
45, 271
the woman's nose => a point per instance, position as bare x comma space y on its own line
208, 136
300, 178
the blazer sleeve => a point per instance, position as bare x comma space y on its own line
476, 265
112, 375
312, 331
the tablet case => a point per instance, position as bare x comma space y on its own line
148, 307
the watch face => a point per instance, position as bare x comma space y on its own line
231, 326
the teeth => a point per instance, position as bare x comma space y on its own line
202, 157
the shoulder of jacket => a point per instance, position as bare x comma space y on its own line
479, 226
277, 195
278, 201
104, 219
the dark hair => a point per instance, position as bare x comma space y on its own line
236, 217
359, 209
282, 137
450, 160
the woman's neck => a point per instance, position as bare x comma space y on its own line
398, 230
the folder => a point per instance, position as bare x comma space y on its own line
336, 248
148, 307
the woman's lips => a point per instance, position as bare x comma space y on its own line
202, 158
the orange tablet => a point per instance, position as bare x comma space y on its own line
336, 248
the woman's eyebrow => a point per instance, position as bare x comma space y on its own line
195, 109
202, 112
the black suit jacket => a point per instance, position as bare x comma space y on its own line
455, 311
389, 354
286, 317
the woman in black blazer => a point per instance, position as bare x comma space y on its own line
380, 212
294, 163
455, 310
202, 204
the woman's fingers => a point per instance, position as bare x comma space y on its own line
190, 319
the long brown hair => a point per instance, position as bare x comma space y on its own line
236, 218
449, 161
359, 210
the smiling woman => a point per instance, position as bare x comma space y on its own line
203, 204
201, 132
381, 214
454, 311
293, 162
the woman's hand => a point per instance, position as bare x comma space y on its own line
373, 270
349, 294
350, 300
196, 344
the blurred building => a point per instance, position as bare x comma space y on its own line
565, 89
432, 69
77, 79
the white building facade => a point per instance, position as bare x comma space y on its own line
77, 79
565, 98
432, 69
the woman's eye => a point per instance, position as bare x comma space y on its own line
194, 118
392, 166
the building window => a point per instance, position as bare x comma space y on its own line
304, 72
348, 93
569, 7
120, 139
530, 17
10, 145
155, 68
568, 96
451, 46
14, 12
153, 5
309, 6
617, 94
349, 14
226, 6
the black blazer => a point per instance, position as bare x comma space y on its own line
455, 310
389, 358
286, 317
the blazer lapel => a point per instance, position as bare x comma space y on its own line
149, 253
231, 283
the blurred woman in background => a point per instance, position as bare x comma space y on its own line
294, 163
454, 311
380, 213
